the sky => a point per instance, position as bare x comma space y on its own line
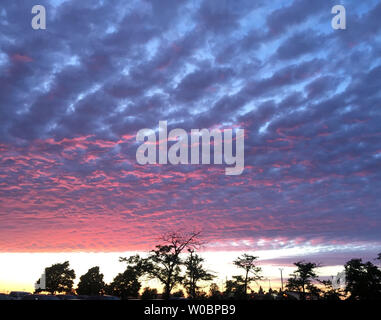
73, 97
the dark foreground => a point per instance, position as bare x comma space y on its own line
188, 309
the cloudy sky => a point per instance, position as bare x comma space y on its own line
73, 96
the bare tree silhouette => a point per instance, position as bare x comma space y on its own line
247, 262
166, 261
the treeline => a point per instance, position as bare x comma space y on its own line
167, 264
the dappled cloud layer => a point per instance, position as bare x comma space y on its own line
73, 96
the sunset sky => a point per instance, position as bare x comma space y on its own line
73, 96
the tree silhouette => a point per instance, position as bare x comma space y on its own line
59, 278
165, 263
214, 292
363, 280
178, 294
247, 263
195, 272
329, 292
165, 259
91, 283
127, 284
149, 294
235, 288
139, 264
302, 279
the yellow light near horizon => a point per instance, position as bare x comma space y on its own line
19, 271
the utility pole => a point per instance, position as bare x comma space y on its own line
281, 277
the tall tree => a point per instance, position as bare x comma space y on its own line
302, 279
363, 280
124, 285
127, 284
195, 272
139, 264
59, 278
252, 272
166, 261
91, 283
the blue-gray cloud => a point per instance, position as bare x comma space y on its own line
72, 98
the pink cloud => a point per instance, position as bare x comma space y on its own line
21, 58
